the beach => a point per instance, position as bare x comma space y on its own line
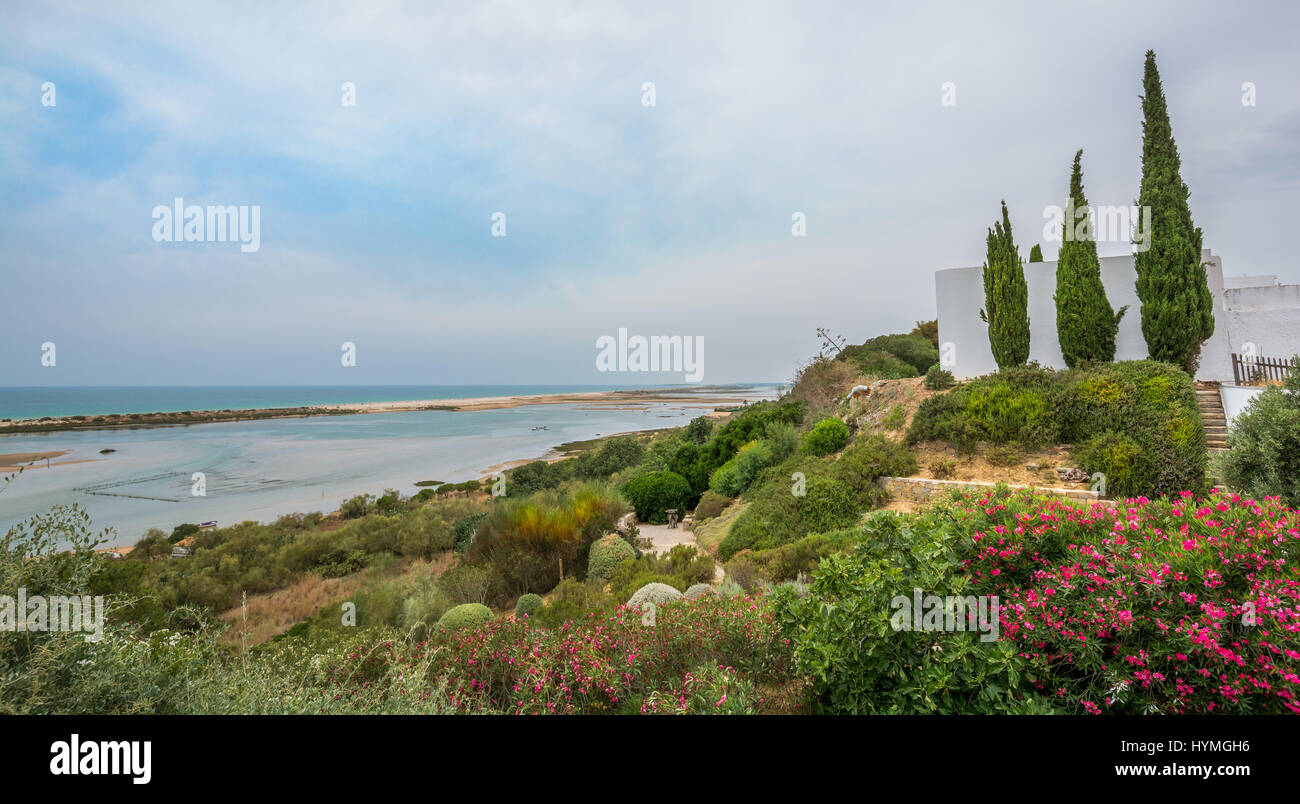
132, 474
593, 400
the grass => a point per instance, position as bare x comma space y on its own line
710, 534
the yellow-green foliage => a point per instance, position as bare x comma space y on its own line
466, 615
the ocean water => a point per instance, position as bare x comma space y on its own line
260, 470
33, 402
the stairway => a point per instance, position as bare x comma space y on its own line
1215, 423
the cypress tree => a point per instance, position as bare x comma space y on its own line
1006, 296
1177, 309
1035, 254
1085, 322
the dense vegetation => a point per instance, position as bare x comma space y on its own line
1263, 456
1177, 309
1182, 605
1085, 322
1006, 296
1135, 422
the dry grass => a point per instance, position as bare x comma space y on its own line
1034, 468
822, 383
872, 413
273, 613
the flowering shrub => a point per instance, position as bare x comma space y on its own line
1172, 605
706, 690
602, 663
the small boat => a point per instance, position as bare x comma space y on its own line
540, 427
211, 524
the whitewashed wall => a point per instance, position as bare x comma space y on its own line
1260, 312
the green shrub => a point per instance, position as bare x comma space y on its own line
1263, 457
466, 615
465, 528
725, 481
698, 431
749, 461
916, 352
847, 645
938, 379
680, 568
357, 506
652, 494
943, 468
710, 505
895, 419
606, 554
574, 600
867, 460
614, 455
528, 605
782, 439
877, 363
1152, 405
827, 436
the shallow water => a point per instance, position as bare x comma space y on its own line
263, 469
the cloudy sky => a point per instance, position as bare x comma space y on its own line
671, 219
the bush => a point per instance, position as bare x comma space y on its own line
679, 568
529, 544
357, 506
725, 481
827, 436
574, 600
697, 591
858, 663
915, 352
465, 528
1117, 458
614, 455
1151, 405
654, 493
606, 554
710, 505
657, 593
466, 615
938, 379
878, 363
867, 460
1263, 457
528, 605
698, 431
943, 468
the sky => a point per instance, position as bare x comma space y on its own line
376, 219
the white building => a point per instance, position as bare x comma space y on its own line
1252, 315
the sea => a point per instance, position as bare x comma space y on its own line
131, 480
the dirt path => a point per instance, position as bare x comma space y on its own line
663, 538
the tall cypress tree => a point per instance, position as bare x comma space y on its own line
1085, 322
1006, 296
1177, 309
1036, 254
